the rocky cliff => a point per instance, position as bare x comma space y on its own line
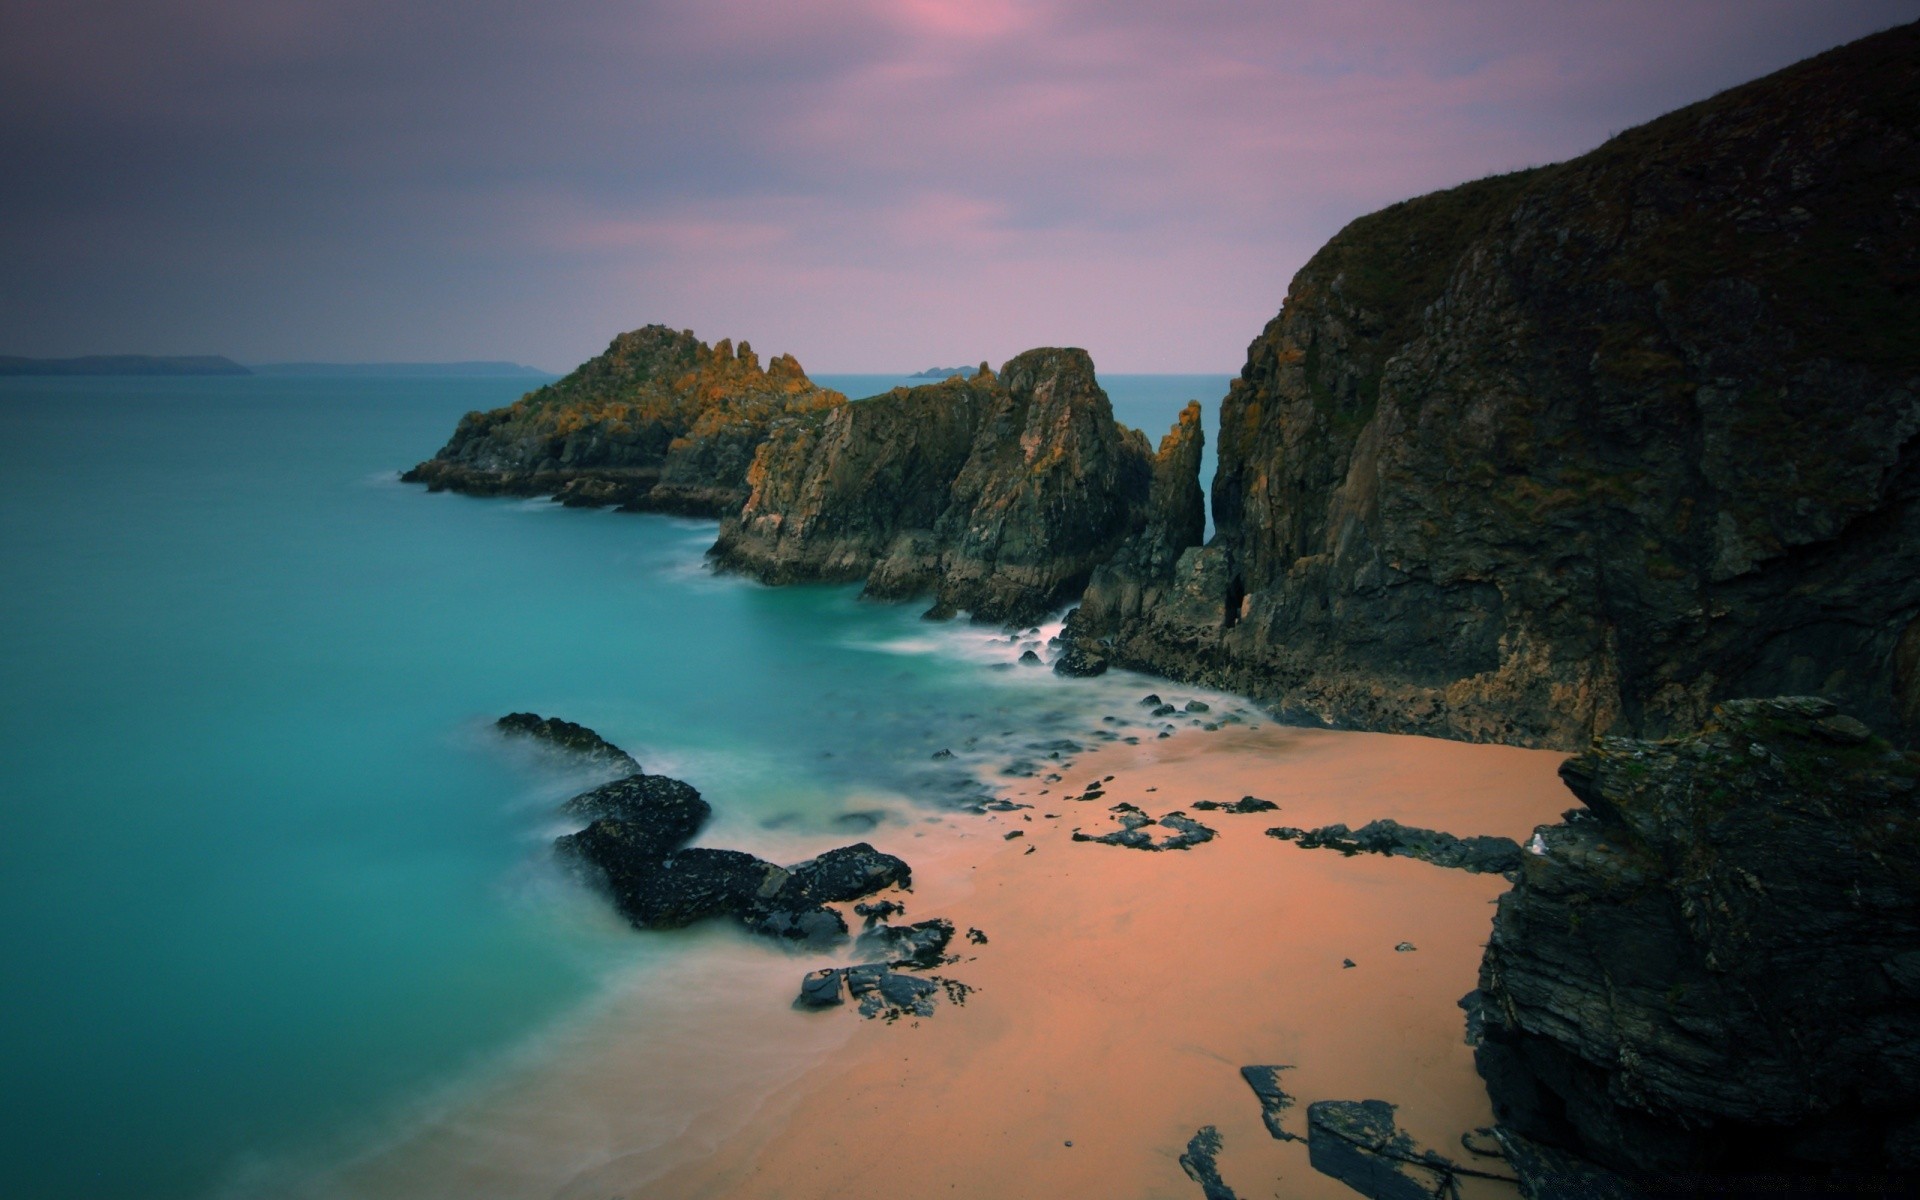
1583, 448
1716, 966
660, 422
997, 494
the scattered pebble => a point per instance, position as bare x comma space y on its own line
1404, 947
1345, 963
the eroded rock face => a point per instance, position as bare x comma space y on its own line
997, 494
1585, 448
1716, 965
660, 422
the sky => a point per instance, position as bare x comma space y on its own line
871, 185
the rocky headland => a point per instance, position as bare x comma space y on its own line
1715, 965
661, 422
996, 494
1581, 449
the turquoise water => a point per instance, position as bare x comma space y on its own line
267, 878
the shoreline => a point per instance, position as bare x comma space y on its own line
1118, 995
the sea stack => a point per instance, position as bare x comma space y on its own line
997, 494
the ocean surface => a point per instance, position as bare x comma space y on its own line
270, 888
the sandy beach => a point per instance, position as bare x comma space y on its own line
1121, 991
1116, 998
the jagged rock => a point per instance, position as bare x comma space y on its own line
1705, 969
885, 993
569, 737
1198, 1162
659, 422
1482, 855
1359, 1143
1029, 658
1584, 448
922, 945
848, 873
997, 494
878, 910
1274, 1100
1549, 1174
825, 988
1245, 804
656, 885
1135, 831
659, 814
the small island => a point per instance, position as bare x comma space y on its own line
942, 373
123, 364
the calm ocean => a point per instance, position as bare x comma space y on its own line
268, 883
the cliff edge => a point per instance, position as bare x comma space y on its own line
1585, 448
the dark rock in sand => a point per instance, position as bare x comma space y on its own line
1135, 831
1709, 969
658, 814
878, 910
1359, 1143
1274, 1100
1199, 1164
976, 937
567, 736
665, 893
822, 989
922, 945
814, 928
1480, 855
848, 873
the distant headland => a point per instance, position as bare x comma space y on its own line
388, 370
123, 364
942, 373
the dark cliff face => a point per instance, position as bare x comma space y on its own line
1716, 966
1588, 447
659, 422
997, 494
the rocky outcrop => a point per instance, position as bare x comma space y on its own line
997, 494
1480, 854
1715, 967
1585, 448
567, 738
660, 422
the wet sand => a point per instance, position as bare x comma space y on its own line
1121, 991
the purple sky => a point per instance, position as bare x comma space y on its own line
869, 184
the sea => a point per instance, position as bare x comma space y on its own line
273, 896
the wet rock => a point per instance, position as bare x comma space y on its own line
1029, 658
1080, 660
1152, 700
566, 736
1358, 1143
885, 993
1163, 710
1198, 706
1245, 804
849, 873
1480, 855
814, 928
659, 814
822, 989
656, 892
976, 937
1199, 1164
1135, 832
1702, 971
1274, 1100
878, 910
943, 754
922, 945
1013, 833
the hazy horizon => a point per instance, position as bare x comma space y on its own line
916, 182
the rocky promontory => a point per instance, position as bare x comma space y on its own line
996, 494
659, 422
1585, 448
1715, 966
